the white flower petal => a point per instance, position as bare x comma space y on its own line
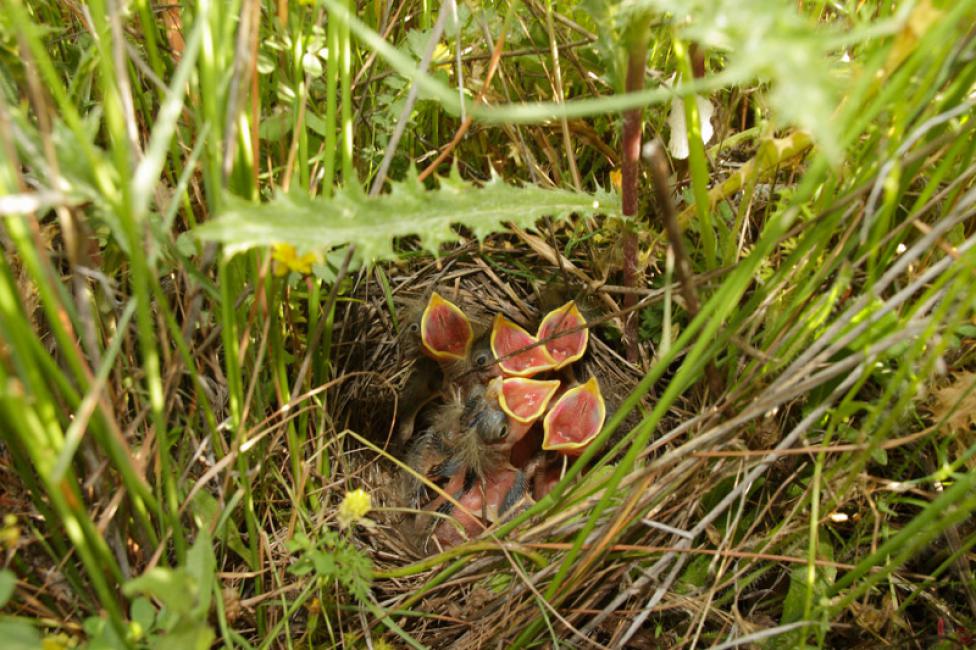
678, 141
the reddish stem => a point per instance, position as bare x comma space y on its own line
631, 142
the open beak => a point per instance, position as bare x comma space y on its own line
575, 419
524, 401
445, 331
568, 347
507, 339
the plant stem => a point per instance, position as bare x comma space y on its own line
631, 144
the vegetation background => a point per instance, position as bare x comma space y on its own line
173, 472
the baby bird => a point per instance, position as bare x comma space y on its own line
462, 437
465, 450
430, 380
473, 425
423, 385
477, 369
500, 495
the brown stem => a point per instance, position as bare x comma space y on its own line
682, 263
631, 142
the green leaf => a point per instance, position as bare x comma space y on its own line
357, 572
324, 563
275, 125
19, 635
795, 596
207, 512
806, 583
101, 635
173, 587
312, 65
298, 542
695, 575
142, 612
201, 566
197, 636
318, 224
7, 583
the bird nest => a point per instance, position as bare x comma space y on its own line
372, 340
386, 379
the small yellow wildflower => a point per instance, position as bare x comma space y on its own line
286, 259
10, 532
354, 507
617, 178
441, 59
314, 607
57, 642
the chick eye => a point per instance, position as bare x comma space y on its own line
482, 359
500, 434
413, 328
493, 432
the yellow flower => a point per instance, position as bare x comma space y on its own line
286, 259
441, 59
314, 607
10, 532
354, 507
57, 642
617, 178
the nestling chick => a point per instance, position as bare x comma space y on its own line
477, 369
424, 383
442, 343
427, 456
461, 436
445, 324
496, 498
430, 380
465, 450
472, 424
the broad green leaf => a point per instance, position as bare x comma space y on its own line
101, 635
201, 565
173, 587
793, 603
142, 612
19, 635
187, 636
312, 65
695, 575
207, 512
7, 583
372, 223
